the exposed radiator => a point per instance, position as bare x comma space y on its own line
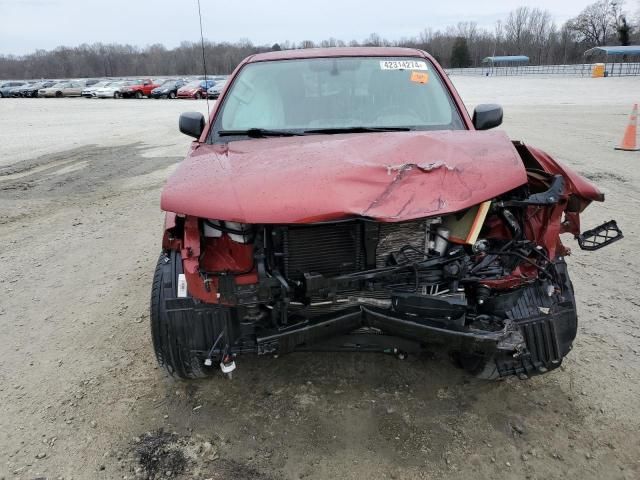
339, 248
394, 236
331, 249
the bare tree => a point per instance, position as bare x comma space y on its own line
307, 44
540, 28
597, 23
497, 36
516, 28
374, 40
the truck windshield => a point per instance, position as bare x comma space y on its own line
341, 94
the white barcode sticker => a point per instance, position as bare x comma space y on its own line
403, 65
182, 286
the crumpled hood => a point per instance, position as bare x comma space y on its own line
388, 177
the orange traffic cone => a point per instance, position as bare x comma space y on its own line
629, 141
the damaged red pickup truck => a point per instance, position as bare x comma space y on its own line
344, 200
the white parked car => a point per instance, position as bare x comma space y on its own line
90, 92
214, 92
113, 90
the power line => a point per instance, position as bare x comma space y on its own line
204, 59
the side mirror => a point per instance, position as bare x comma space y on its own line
487, 116
192, 124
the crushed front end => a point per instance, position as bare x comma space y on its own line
489, 283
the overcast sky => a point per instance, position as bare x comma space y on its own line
26, 25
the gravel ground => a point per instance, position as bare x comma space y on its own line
81, 394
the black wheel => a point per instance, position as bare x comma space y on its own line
172, 95
178, 336
198, 96
138, 95
58, 94
1, 95
116, 95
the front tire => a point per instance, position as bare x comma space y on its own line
117, 95
172, 95
547, 342
175, 336
198, 96
138, 95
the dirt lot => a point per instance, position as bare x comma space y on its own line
81, 396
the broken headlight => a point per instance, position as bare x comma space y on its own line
238, 232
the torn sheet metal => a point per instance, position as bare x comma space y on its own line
392, 176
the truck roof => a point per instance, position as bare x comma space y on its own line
336, 52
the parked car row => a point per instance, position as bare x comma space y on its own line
31, 90
195, 88
44, 88
107, 89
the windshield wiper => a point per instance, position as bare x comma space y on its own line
258, 133
358, 130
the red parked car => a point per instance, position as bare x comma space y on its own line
196, 89
141, 89
344, 199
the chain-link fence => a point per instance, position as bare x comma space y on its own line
580, 70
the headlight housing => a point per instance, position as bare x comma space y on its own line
238, 232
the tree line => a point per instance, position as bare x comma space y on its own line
525, 31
